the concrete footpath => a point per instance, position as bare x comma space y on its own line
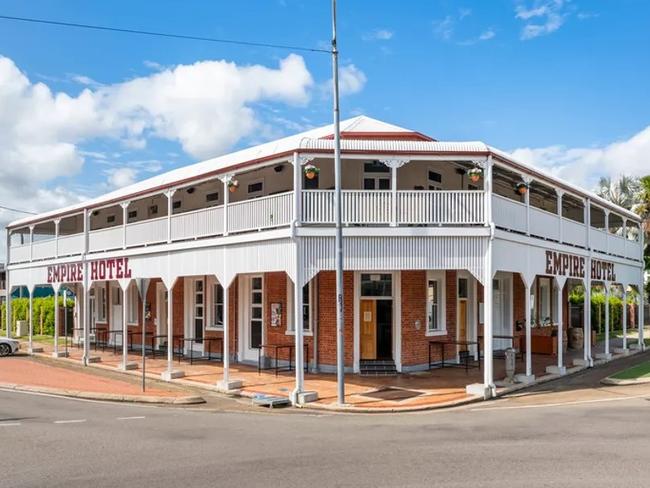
23, 373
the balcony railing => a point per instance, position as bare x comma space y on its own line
511, 215
359, 207
412, 207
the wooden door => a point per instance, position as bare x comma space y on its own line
462, 320
368, 329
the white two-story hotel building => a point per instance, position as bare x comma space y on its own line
449, 242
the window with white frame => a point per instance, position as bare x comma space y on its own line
307, 308
217, 306
101, 303
132, 310
435, 302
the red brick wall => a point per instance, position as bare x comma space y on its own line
415, 343
327, 317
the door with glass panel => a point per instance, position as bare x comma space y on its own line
252, 325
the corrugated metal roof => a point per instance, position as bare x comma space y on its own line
312, 140
396, 146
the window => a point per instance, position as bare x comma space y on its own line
256, 312
307, 309
132, 312
199, 309
434, 180
376, 176
435, 303
212, 197
176, 204
153, 210
101, 303
376, 285
541, 301
463, 288
132, 214
110, 219
217, 306
256, 187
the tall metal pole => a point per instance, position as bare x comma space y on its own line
340, 338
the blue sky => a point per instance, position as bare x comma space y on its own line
563, 84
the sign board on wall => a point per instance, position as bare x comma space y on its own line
564, 264
100, 270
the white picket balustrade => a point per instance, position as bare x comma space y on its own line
146, 232
440, 207
632, 249
197, 223
366, 206
261, 213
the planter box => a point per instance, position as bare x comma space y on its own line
22, 328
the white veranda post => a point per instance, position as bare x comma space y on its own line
529, 358
30, 291
624, 317
55, 289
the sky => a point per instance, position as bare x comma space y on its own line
562, 84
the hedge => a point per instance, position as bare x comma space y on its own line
43, 313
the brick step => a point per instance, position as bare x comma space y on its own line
377, 368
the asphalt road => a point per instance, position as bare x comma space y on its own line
572, 433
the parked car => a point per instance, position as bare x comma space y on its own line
8, 346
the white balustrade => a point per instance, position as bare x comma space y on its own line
632, 249
105, 239
197, 223
71, 244
318, 206
261, 213
19, 254
573, 233
508, 214
146, 232
544, 224
440, 207
598, 240
44, 249
366, 206
617, 245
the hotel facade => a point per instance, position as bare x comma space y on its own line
454, 244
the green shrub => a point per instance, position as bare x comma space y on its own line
42, 309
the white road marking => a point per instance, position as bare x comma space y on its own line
10, 424
76, 421
130, 418
560, 404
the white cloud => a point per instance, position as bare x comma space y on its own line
542, 17
121, 177
85, 80
486, 35
378, 35
444, 29
206, 107
584, 166
351, 79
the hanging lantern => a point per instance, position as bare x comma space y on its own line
311, 171
521, 187
233, 185
475, 174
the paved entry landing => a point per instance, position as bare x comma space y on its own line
426, 389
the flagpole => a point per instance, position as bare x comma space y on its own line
340, 338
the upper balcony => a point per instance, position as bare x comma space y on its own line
422, 193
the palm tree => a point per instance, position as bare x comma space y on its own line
623, 192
